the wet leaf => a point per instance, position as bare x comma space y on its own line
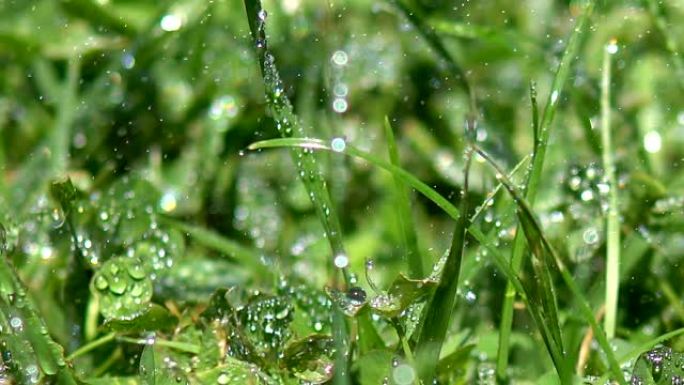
233, 371
659, 366
403, 293
123, 288
310, 359
154, 317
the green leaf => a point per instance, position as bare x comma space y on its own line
154, 317
153, 371
403, 293
374, 367
233, 371
123, 288
310, 359
659, 366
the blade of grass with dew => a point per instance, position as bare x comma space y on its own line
532, 229
414, 256
350, 150
439, 308
531, 187
612, 219
287, 123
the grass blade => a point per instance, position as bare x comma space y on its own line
612, 219
414, 256
439, 309
288, 123
534, 178
532, 229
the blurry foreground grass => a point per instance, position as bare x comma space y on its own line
471, 192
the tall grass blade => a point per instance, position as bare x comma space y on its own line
612, 219
439, 309
533, 231
288, 124
414, 256
534, 179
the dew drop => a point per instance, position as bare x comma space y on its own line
341, 261
338, 144
101, 282
171, 23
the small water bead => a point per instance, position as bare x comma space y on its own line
171, 23
590, 236
101, 283
338, 144
652, 142
16, 323
356, 295
554, 97
403, 374
340, 58
341, 261
262, 15
612, 47
168, 202
340, 105
223, 379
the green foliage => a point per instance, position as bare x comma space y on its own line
360, 192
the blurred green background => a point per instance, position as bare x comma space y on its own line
170, 92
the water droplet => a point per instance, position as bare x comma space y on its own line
340, 58
652, 142
171, 22
554, 97
612, 47
590, 236
338, 144
117, 285
101, 282
403, 374
168, 202
262, 15
341, 261
223, 379
340, 105
356, 295
16, 323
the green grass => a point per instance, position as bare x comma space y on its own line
287, 192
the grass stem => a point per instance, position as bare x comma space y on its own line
612, 219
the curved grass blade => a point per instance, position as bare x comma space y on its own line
414, 256
533, 231
439, 308
531, 187
288, 124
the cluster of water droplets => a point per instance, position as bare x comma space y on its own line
123, 288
